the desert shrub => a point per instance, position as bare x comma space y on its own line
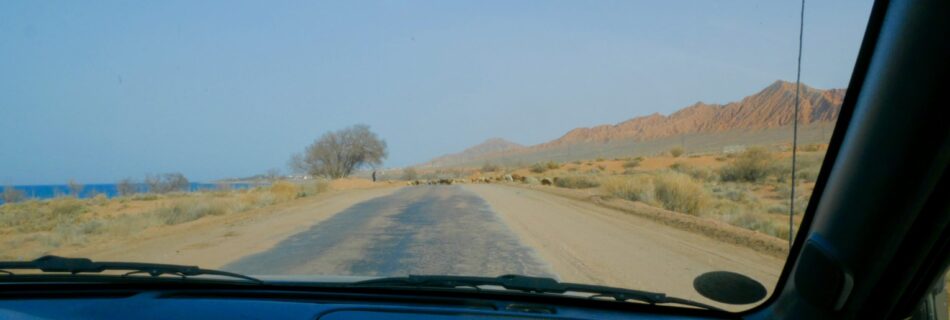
125, 187
314, 187
572, 169
168, 182
410, 174
11, 195
99, 199
284, 191
538, 168
531, 180
551, 165
676, 152
577, 162
678, 192
601, 167
635, 188
576, 182
600, 159
490, 167
752, 165
735, 192
66, 206
74, 188
631, 164
702, 174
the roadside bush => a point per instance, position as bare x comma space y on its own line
410, 174
678, 192
576, 182
676, 152
313, 187
168, 182
752, 165
11, 195
635, 188
631, 164
66, 206
551, 165
702, 174
490, 167
538, 168
284, 190
125, 187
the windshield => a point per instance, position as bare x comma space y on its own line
630, 144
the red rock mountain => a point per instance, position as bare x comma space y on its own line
772, 107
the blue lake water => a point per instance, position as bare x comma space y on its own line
107, 189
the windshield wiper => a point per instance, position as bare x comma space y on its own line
531, 285
82, 265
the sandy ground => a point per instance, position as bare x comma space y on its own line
466, 230
213, 242
590, 244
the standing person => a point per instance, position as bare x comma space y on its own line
374, 175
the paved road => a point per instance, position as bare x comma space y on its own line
419, 230
493, 230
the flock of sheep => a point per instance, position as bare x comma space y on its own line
483, 179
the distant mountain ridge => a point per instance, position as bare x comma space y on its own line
772, 107
488, 147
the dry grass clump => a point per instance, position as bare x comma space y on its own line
541, 167
679, 192
634, 188
192, 209
311, 188
631, 164
284, 190
752, 165
676, 152
671, 190
576, 182
701, 174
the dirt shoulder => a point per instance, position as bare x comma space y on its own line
717, 230
587, 243
215, 241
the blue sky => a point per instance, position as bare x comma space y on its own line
98, 91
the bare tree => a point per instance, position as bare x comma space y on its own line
336, 154
11, 194
125, 187
409, 174
167, 182
273, 174
74, 187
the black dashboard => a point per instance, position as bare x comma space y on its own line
259, 304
